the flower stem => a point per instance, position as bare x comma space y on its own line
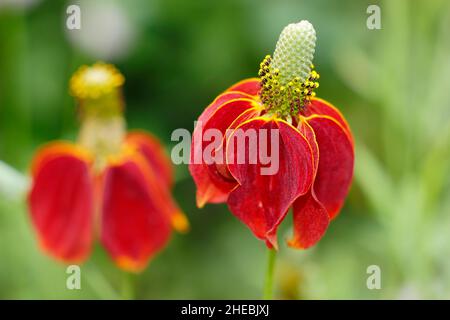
99, 283
128, 286
268, 281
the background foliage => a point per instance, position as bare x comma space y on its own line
392, 85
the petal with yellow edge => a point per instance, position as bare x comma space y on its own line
226, 119
213, 186
250, 86
61, 201
206, 191
221, 170
311, 219
219, 101
336, 161
319, 106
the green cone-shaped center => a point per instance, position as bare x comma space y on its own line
288, 80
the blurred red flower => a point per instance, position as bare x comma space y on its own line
110, 182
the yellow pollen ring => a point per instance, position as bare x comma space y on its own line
92, 82
285, 100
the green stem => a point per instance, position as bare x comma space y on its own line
128, 286
99, 283
268, 281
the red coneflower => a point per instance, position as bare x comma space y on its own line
316, 151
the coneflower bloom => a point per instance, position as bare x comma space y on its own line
316, 153
110, 183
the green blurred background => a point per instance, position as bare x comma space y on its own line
392, 85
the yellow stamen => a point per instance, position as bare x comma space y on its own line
95, 81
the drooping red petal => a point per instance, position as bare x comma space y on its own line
135, 224
261, 201
250, 86
161, 167
311, 219
319, 106
61, 201
336, 160
223, 121
154, 153
206, 190
178, 219
211, 185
